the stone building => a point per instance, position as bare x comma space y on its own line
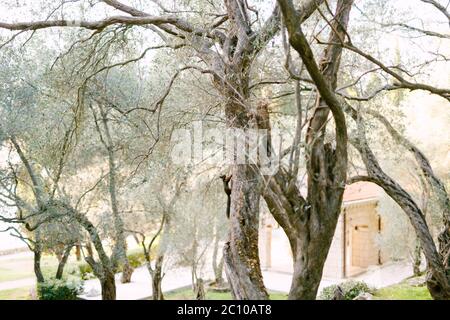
354, 248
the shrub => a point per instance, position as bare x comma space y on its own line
136, 259
54, 289
86, 271
351, 290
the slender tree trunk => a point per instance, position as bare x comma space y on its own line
104, 270
127, 269
199, 290
157, 277
37, 264
78, 252
38, 194
62, 263
120, 249
89, 250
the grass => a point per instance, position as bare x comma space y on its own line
15, 294
17, 268
22, 268
403, 291
187, 294
7, 274
400, 291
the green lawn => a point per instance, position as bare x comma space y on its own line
400, 291
187, 294
15, 294
8, 274
22, 268
403, 291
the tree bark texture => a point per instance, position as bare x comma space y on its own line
62, 263
108, 285
157, 276
310, 223
37, 254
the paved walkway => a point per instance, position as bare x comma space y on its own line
20, 283
140, 287
387, 274
14, 284
376, 277
281, 281
17, 256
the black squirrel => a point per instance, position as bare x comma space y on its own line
227, 189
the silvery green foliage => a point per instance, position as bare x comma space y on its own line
36, 118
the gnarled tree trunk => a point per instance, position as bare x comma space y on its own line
240, 46
108, 285
310, 223
241, 254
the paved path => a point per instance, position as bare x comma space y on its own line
281, 281
8, 285
16, 256
376, 277
140, 286
387, 274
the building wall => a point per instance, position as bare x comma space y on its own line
361, 248
362, 230
333, 267
279, 256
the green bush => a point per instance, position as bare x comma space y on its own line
54, 289
351, 290
86, 271
136, 259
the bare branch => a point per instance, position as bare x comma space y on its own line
401, 81
440, 7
